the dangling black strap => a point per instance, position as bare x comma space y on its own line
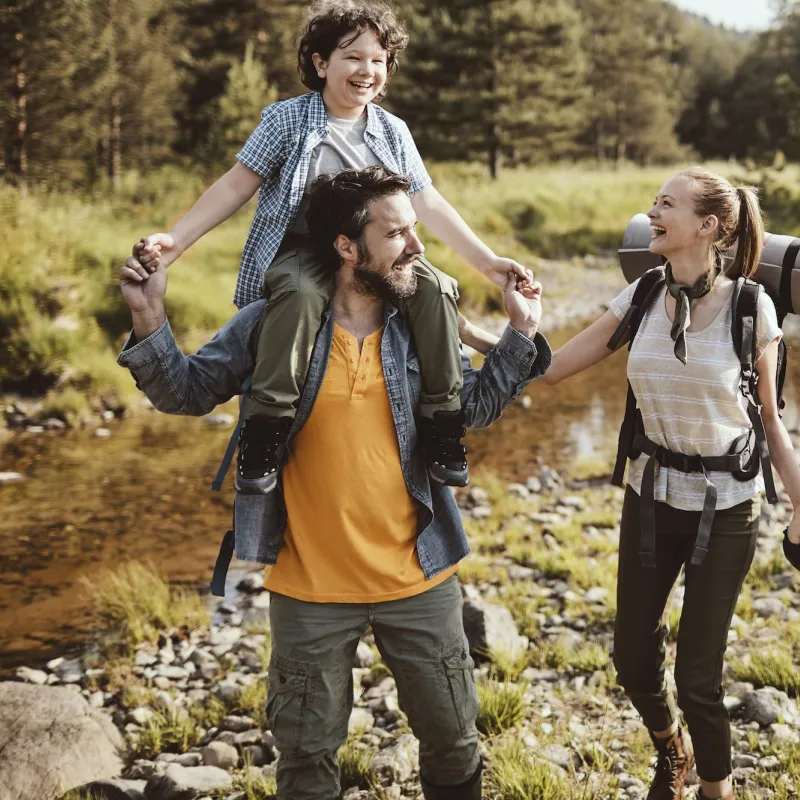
626, 433
706, 521
222, 564
647, 541
225, 464
785, 305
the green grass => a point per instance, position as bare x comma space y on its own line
354, 762
168, 731
135, 603
501, 706
254, 784
770, 668
514, 774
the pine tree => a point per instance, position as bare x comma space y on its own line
496, 81
239, 108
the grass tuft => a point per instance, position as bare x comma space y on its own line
514, 774
501, 706
771, 668
355, 759
135, 603
168, 731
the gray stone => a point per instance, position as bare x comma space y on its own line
365, 656
102, 433
560, 755
219, 754
141, 715
253, 736
187, 783
51, 741
491, 627
31, 675
782, 734
769, 607
191, 759
172, 673
397, 762
220, 420
596, 595
236, 724
252, 583
769, 763
516, 572
744, 760
769, 705
115, 789
481, 512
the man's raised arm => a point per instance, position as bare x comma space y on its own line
517, 357
173, 382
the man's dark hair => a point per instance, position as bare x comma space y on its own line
329, 21
339, 204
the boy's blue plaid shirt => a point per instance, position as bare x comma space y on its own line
279, 150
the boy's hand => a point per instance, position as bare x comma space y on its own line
523, 304
498, 269
158, 249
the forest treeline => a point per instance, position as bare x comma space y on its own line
92, 88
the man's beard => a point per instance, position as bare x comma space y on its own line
369, 279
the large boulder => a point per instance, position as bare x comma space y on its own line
491, 628
52, 740
769, 705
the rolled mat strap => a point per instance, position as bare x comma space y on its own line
221, 566
706, 521
647, 516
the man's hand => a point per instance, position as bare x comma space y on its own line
523, 305
498, 269
158, 249
144, 295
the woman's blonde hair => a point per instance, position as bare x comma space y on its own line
739, 215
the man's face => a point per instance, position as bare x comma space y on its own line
388, 248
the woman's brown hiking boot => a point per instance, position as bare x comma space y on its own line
675, 759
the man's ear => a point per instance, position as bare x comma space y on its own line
709, 225
347, 249
319, 64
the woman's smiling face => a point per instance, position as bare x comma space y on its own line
355, 72
674, 223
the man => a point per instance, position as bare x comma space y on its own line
357, 534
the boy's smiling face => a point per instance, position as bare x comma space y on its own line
355, 74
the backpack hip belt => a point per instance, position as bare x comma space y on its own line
667, 458
633, 442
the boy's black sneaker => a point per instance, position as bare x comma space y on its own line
441, 438
260, 443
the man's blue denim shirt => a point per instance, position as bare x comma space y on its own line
196, 384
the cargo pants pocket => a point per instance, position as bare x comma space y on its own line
458, 667
289, 695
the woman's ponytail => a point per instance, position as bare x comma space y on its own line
749, 234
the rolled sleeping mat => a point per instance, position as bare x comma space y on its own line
778, 267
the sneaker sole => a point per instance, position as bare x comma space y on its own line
263, 485
450, 478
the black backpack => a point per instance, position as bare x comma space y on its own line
743, 327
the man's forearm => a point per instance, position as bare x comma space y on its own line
146, 323
444, 222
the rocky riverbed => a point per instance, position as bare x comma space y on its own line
539, 608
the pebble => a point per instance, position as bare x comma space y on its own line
11, 477
102, 433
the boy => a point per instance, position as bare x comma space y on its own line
347, 53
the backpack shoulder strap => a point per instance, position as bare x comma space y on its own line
649, 286
646, 290
216, 484
743, 332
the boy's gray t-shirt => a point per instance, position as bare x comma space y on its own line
343, 148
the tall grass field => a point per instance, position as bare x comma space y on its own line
62, 318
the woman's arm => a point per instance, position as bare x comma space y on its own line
781, 450
583, 350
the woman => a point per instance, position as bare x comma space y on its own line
685, 376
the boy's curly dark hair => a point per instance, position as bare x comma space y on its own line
329, 21
339, 203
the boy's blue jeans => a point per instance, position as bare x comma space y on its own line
310, 696
298, 289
